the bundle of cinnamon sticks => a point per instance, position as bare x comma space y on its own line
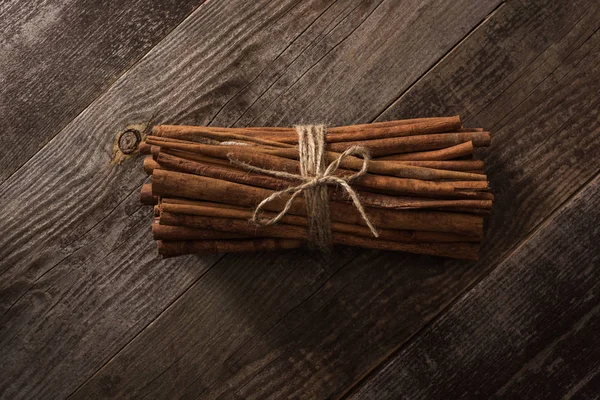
423, 190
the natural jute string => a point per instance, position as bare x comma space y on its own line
315, 177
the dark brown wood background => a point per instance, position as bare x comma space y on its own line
89, 310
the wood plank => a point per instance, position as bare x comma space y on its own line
362, 62
529, 330
57, 56
80, 276
351, 319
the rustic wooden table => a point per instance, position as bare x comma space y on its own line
88, 308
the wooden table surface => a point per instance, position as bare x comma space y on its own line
89, 310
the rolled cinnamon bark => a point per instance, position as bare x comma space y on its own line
226, 136
459, 150
463, 251
150, 165
177, 184
370, 182
374, 132
269, 182
335, 134
409, 144
146, 196
377, 147
144, 148
474, 166
154, 149
285, 160
221, 211
353, 163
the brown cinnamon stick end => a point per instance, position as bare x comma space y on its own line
146, 196
150, 165
154, 150
144, 148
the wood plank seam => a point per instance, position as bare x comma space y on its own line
262, 334
258, 372
498, 125
110, 213
495, 125
439, 61
318, 39
539, 145
73, 252
179, 358
150, 323
314, 292
100, 94
524, 70
141, 223
541, 354
315, 64
515, 249
250, 82
269, 64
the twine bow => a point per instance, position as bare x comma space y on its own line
315, 179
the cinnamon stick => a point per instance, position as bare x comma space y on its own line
177, 184
372, 182
474, 166
335, 134
146, 196
460, 150
409, 144
269, 182
269, 158
207, 209
374, 132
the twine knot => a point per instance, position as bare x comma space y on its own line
315, 177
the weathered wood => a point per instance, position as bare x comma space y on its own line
319, 344
529, 330
276, 324
79, 274
58, 56
348, 72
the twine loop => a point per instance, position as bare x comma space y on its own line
315, 178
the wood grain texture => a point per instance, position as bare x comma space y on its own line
356, 316
59, 55
80, 278
529, 330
